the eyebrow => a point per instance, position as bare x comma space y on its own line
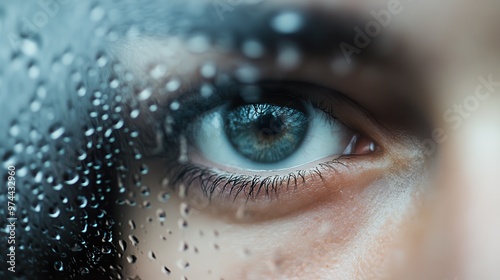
322, 31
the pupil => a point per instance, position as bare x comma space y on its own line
266, 133
269, 125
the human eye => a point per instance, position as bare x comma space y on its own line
275, 132
243, 145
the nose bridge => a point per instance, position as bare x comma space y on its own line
469, 179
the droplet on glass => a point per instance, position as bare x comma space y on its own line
133, 239
198, 43
131, 259
165, 270
134, 114
144, 94
56, 131
54, 212
252, 49
206, 90
123, 245
163, 196
175, 105
173, 85
70, 177
208, 70
58, 265
287, 22
288, 57
161, 215
247, 74
97, 13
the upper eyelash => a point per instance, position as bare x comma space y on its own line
252, 186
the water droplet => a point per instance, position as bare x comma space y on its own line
144, 169
133, 239
158, 71
114, 83
206, 90
35, 106
247, 74
287, 22
164, 196
14, 129
145, 191
41, 91
57, 187
175, 105
118, 124
131, 224
81, 90
97, 13
161, 215
173, 85
84, 270
58, 265
198, 43
144, 94
165, 270
54, 212
184, 209
131, 259
182, 223
101, 60
123, 244
70, 177
182, 264
183, 246
208, 70
33, 71
81, 201
29, 46
288, 57
67, 58
252, 49
134, 114
56, 131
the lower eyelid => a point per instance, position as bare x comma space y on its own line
326, 183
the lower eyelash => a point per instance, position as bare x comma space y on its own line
212, 182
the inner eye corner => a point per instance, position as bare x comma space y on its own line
361, 145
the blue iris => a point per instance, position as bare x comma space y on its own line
266, 133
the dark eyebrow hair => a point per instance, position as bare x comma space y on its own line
321, 33
322, 30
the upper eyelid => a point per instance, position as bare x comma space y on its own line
198, 104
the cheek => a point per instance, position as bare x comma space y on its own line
350, 238
347, 235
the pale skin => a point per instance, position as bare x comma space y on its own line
401, 212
